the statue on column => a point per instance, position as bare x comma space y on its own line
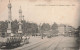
9, 18
20, 18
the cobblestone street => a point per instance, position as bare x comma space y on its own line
54, 43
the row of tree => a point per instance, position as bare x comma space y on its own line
27, 27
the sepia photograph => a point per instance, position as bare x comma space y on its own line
39, 24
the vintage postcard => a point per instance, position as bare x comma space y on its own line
39, 24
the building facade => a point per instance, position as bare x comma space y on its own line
61, 29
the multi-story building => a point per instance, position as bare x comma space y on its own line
66, 30
61, 29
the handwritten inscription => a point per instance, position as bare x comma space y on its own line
53, 5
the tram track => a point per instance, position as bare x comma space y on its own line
45, 47
57, 44
54, 48
53, 43
37, 45
34, 45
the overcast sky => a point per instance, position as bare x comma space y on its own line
43, 11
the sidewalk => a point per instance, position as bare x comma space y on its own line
68, 43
